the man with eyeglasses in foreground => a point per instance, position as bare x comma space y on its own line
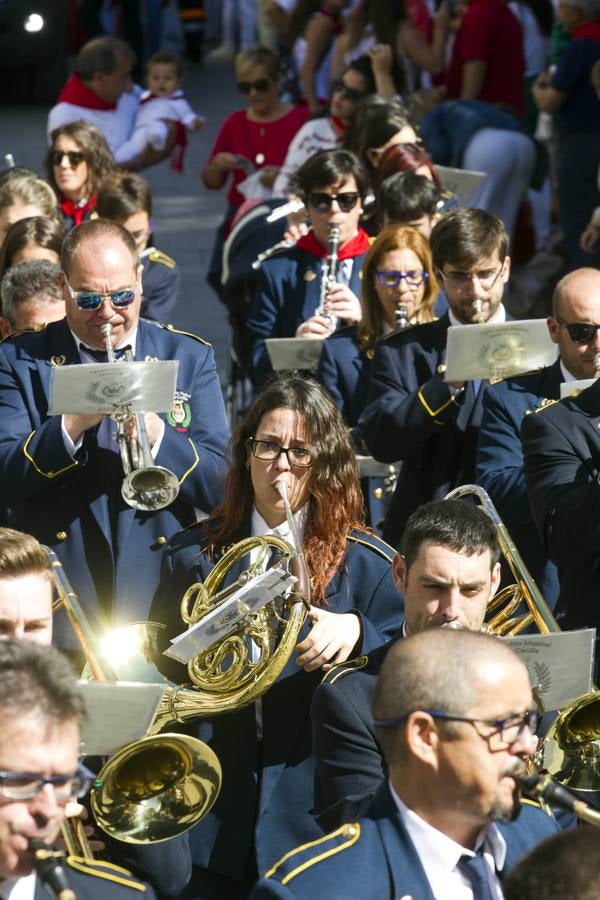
62, 475
26, 589
333, 185
40, 715
561, 450
448, 823
499, 459
413, 415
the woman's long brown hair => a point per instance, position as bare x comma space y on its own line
335, 504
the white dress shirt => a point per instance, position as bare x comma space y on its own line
22, 888
440, 855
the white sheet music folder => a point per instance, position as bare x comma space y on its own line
461, 182
559, 665
498, 350
294, 353
222, 620
103, 387
117, 712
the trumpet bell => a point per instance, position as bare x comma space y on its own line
156, 788
570, 752
150, 488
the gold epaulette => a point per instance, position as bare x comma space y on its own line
378, 545
174, 330
301, 858
107, 871
546, 402
338, 670
34, 330
157, 256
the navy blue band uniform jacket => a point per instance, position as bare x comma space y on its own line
413, 416
349, 764
374, 857
161, 281
345, 370
111, 552
499, 464
287, 293
561, 446
265, 805
93, 880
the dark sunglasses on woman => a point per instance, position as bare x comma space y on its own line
261, 85
322, 202
75, 157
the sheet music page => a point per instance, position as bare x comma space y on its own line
117, 712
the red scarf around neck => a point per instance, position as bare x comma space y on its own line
71, 210
79, 94
589, 29
354, 247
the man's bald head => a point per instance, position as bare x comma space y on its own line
437, 669
576, 302
580, 282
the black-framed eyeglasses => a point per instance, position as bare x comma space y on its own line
392, 278
297, 456
338, 87
508, 729
27, 785
460, 281
261, 85
75, 157
91, 300
579, 332
323, 202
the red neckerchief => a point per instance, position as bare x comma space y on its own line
354, 247
336, 19
148, 95
178, 154
589, 29
70, 209
342, 126
79, 94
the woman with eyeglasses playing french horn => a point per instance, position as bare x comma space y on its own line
296, 295
293, 434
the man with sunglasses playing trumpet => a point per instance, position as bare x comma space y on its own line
414, 415
561, 450
499, 458
333, 185
62, 475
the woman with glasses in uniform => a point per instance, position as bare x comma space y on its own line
250, 139
398, 288
293, 433
76, 164
332, 184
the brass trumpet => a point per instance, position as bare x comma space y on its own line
146, 486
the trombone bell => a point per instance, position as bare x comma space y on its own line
150, 488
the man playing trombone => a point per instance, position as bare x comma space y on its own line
62, 475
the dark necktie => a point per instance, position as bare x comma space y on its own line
477, 873
101, 355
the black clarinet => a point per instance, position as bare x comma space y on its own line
48, 863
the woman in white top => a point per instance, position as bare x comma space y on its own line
367, 75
